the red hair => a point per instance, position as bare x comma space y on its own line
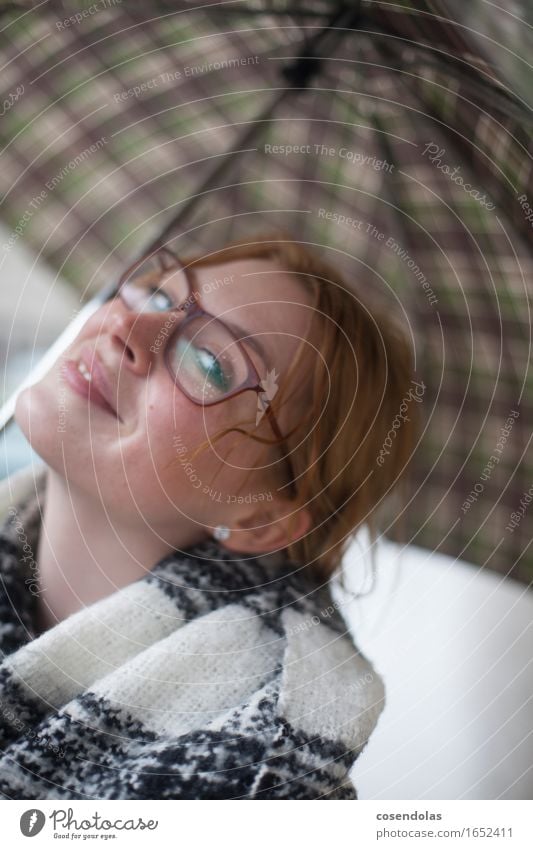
353, 455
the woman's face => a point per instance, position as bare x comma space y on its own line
139, 459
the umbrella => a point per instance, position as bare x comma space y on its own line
396, 137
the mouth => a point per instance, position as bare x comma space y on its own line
87, 378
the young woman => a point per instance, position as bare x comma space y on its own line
211, 442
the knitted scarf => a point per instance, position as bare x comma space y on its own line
215, 676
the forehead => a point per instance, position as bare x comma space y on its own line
258, 295
248, 281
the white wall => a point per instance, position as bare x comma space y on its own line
454, 644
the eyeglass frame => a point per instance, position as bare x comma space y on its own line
252, 381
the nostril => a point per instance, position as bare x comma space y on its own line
125, 349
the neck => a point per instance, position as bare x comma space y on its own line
85, 554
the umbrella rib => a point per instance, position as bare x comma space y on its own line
298, 74
218, 170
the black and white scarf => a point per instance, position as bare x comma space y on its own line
212, 677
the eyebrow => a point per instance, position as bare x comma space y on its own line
248, 340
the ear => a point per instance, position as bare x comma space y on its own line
268, 529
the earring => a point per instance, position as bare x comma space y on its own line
221, 532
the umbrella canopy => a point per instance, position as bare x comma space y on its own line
394, 137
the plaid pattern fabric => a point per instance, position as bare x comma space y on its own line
124, 112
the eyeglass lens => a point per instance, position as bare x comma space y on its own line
203, 356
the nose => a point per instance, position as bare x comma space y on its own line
140, 337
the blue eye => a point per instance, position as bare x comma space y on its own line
198, 365
212, 368
157, 301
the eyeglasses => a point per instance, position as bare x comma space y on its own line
203, 355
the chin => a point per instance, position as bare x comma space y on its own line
40, 418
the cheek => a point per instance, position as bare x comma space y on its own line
176, 429
170, 427
158, 459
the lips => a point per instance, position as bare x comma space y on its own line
97, 389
